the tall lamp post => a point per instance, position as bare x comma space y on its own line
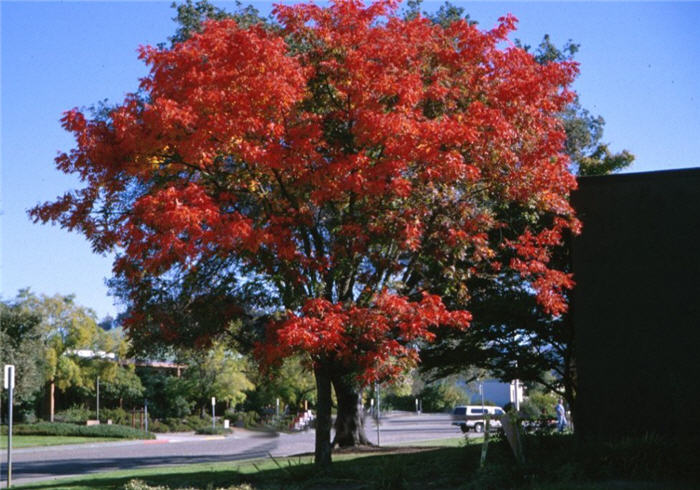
9, 383
98, 400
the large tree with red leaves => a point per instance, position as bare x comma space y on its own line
327, 171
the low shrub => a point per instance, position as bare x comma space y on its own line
562, 458
141, 485
158, 426
213, 431
28, 416
76, 414
406, 403
194, 421
63, 429
248, 420
118, 416
645, 457
178, 425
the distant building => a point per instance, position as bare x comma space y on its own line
495, 391
100, 354
636, 305
91, 354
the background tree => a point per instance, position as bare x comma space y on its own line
67, 328
383, 153
123, 389
192, 15
21, 345
442, 396
584, 132
218, 372
292, 382
168, 396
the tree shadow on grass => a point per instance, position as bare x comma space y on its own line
408, 467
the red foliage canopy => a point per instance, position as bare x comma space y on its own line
350, 167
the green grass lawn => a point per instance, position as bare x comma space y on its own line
366, 470
552, 463
20, 441
445, 464
450, 442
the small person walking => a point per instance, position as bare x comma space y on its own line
561, 416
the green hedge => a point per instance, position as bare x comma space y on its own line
63, 429
213, 431
179, 425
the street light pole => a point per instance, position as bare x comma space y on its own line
98, 399
10, 397
481, 391
9, 383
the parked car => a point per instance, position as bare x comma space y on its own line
472, 417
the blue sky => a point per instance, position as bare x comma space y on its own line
640, 70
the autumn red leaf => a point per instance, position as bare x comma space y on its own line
328, 170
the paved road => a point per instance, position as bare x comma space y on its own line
33, 464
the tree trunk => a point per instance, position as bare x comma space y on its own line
350, 422
322, 454
52, 400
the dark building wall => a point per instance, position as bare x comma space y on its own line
635, 306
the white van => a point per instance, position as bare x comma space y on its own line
471, 417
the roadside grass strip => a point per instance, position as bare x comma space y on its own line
20, 441
448, 442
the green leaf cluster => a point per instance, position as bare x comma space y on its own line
21, 345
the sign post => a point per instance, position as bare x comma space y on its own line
145, 414
9, 383
485, 444
376, 392
213, 413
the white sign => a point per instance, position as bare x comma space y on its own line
213, 400
9, 376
